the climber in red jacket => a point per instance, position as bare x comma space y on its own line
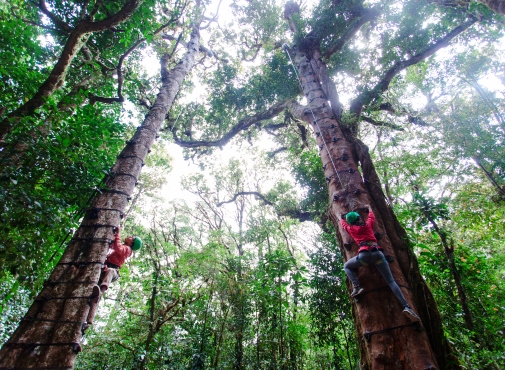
110, 272
370, 253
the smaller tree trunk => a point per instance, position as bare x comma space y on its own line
449, 253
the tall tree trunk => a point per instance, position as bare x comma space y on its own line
499, 189
240, 319
215, 361
387, 339
449, 253
152, 326
49, 335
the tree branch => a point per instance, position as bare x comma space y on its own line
120, 79
126, 11
498, 188
50, 29
277, 151
381, 123
56, 20
367, 16
301, 216
202, 48
242, 125
368, 96
390, 109
122, 345
259, 195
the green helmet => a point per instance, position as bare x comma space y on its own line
137, 244
351, 217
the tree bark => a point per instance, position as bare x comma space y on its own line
387, 339
49, 335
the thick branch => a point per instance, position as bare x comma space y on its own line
56, 20
119, 69
367, 16
390, 109
381, 124
255, 193
94, 98
370, 95
498, 188
296, 214
277, 151
126, 11
50, 29
242, 125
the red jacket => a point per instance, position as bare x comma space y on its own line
120, 252
361, 233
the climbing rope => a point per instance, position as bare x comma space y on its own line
29, 347
177, 119
131, 142
368, 334
286, 49
124, 156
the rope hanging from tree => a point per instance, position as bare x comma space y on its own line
285, 47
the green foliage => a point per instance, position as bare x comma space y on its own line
330, 309
475, 229
23, 59
233, 286
309, 174
430, 209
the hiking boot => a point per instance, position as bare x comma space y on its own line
85, 327
357, 291
96, 292
407, 311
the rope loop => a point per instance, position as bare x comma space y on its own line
368, 334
